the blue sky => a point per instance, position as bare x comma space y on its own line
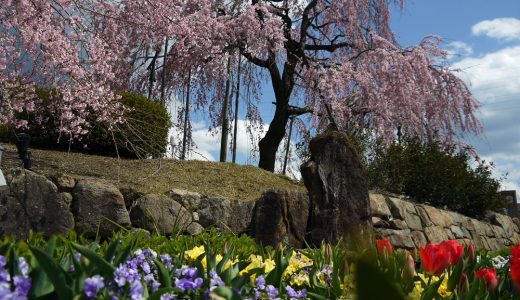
484, 38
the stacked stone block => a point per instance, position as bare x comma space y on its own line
409, 225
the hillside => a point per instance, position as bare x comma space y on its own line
157, 176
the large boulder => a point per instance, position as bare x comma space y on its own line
159, 213
98, 206
280, 217
228, 214
32, 202
338, 191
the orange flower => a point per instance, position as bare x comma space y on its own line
454, 249
490, 276
384, 246
435, 259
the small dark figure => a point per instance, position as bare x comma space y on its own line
22, 145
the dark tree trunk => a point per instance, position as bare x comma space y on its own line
268, 145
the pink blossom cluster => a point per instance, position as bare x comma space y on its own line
336, 52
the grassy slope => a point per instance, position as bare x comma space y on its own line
158, 176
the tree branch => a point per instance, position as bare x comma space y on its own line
328, 47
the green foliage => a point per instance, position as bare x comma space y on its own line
58, 271
144, 132
440, 177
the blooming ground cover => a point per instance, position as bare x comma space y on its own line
217, 265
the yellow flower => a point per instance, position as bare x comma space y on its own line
193, 254
296, 262
418, 289
300, 279
256, 263
218, 258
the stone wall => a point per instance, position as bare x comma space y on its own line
409, 225
93, 207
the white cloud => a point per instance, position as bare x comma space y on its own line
501, 28
459, 48
493, 76
493, 79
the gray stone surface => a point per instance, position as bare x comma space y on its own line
338, 190
32, 202
216, 211
435, 234
398, 238
379, 207
419, 239
194, 229
65, 183
280, 217
96, 206
400, 208
159, 213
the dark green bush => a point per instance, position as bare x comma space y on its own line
145, 132
428, 173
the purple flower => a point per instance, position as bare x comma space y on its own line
5, 290
93, 285
3, 261
136, 290
190, 273
4, 276
166, 259
151, 282
185, 284
215, 280
77, 256
260, 282
123, 274
295, 294
271, 291
168, 296
24, 267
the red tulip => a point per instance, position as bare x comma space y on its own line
490, 276
514, 265
454, 249
471, 254
435, 259
516, 250
384, 246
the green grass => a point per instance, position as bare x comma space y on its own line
158, 176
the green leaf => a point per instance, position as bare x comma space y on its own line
164, 275
368, 277
225, 259
454, 279
40, 284
316, 296
104, 267
472, 293
51, 246
225, 293
275, 276
431, 291
111, 249
55, 273
123, 255
157, 295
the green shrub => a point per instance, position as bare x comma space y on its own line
441, 177
145, 132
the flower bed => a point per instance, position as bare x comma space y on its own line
219, 266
